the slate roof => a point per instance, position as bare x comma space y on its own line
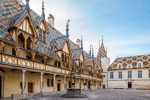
11, 12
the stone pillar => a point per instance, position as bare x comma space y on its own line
64, 83
54, 80
41, 84
84, 83
23, 81
79, 83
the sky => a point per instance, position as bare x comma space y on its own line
125, 24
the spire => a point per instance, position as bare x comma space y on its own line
81, 43
27, 4
67, 29
102, 44
102, 52
90, 52
43, 13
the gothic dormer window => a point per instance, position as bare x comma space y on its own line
41, 35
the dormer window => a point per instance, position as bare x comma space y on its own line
139, 64
41, 35
120, 66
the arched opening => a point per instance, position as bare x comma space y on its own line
21, 40
29, 43
29, 56
62, 57
13, 52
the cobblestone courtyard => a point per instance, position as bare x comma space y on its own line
109, 95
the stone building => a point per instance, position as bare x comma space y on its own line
130, 72
35, 58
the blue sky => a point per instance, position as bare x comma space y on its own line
125, 24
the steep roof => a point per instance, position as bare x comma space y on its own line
11, 12
131, 60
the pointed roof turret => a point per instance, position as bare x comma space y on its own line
43, 13
81, 43
67, 29
102, 52
27, 4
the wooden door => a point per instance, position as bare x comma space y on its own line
129, 84
58, 87
30, 87
89, 85
0, 86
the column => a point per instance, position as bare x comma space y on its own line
79, 83
84, 83
23, 81
41, 84
54, 84
64, 83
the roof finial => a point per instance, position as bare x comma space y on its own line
67, 29
27, 4
81, 42
43, 13
92, 52
102, 38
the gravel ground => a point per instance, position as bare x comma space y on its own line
108, 94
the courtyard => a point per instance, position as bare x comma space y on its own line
108, 94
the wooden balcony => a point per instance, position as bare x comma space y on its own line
24, 63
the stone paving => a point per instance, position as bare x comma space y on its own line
108, 94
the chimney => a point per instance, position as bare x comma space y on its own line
78, 42
51, 20
20, 2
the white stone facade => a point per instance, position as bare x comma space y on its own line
137, 83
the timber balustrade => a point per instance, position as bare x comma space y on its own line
24, 63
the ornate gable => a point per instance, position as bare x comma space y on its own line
26, 24
66, 48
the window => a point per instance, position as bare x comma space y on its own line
42, 35
59, 64
120, 66
13, 52
48, 82
55, 63
120, 75
129, 74
149, 73
111, 75
139, 64
52, 83
139, 74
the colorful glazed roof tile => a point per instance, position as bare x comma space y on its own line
11, 12
131, 61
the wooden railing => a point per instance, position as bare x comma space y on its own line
20, 62
24, 63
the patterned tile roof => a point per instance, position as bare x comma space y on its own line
131, 61
11, 12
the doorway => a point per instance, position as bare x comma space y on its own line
30, 87
89, 85
129, 85
0, 87
58, 87
103, 86
69, 84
